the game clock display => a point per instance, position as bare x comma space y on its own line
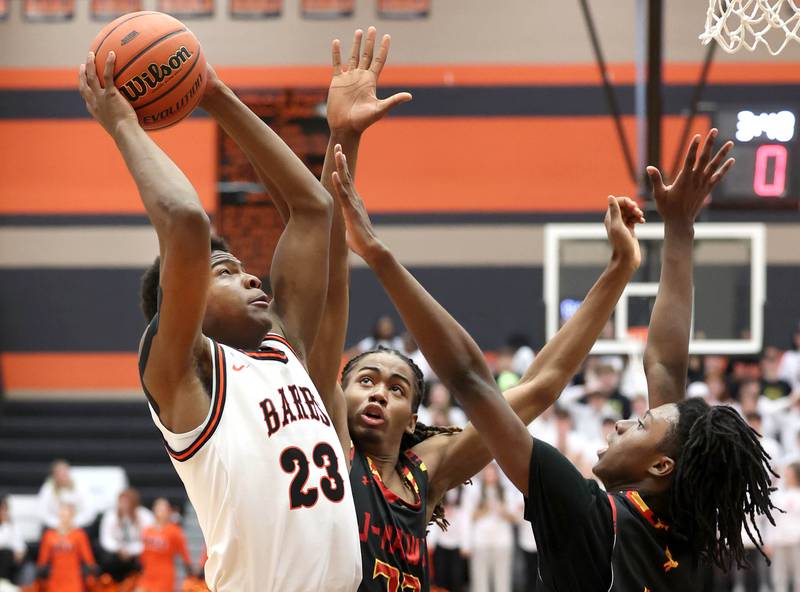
765, 173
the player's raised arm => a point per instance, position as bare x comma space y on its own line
451, 460
451, 352
184, 243
353, 106
666, 357
299, 274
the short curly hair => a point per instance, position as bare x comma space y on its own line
150, 280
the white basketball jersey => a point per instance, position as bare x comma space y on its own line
267, 477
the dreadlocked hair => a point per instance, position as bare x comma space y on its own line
421, 431
722, 482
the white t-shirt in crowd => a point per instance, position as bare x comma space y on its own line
491, 530
10, 539
369, 343
124, 535
787, 526
50, 500
455, 416
789, 370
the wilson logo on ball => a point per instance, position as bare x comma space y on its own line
139, 85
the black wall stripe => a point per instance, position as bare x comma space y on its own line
92, 310
466, 101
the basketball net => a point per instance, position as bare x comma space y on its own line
735, 24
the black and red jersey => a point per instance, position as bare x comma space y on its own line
394, 554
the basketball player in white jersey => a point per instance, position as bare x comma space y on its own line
224, 365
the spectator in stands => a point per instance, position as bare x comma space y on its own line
588, 412
449, 567
570, 443
383, 335
715, 366
608, 373
770, 445
58, 489
695, 370
65, 556
783, 539
789, 369
121, 535
504, 369
789, 422
523, 353
163, 541
440, 400
410, 350
490, 537
772, 385
718, 391
12, 547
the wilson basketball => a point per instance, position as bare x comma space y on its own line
159, 68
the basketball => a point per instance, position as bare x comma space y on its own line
160, 67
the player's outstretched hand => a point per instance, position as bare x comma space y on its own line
104, 103
622, 216
353, 104
361, 237
683, 200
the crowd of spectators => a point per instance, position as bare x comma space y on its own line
127, 548
487, 546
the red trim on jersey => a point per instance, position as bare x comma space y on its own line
268, 353
644, 510
613, 513
218, 401
280, 339
390, 495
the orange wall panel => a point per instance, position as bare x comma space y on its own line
491, 164
72, 166
447, 75
70, 371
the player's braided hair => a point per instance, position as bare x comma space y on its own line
152, 277
722, 482
421, 431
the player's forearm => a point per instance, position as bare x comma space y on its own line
560, 359
670, 325
325, 358
452, 353
275, 160
166, 193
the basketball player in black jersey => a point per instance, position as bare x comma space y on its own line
683, 481
401, 469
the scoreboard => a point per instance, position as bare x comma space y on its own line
766, 172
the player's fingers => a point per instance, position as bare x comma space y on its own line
336, 56
383, 53
614, 211
369, 49
705, 153
347, 176
387, 104
91, 73
691, 153
108, 71
341, 168
353, 63
655, 178
717, 177
339, 192
718, 159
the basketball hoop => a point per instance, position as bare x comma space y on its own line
735, 24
